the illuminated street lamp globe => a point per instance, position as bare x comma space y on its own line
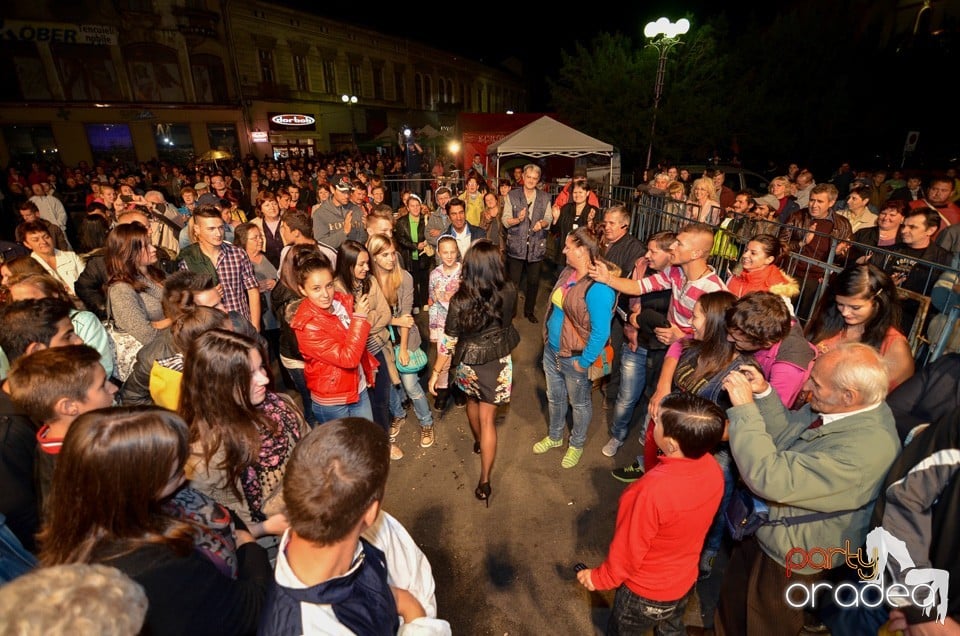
348, 99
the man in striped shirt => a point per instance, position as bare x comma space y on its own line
688, 277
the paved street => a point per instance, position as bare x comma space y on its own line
509, 569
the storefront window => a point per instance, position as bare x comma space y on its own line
224, 137
174, 143
30, 142
111, 143
289, 148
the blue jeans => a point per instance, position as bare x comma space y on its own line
360, 408
567, 385
633, 379
633, 614
411, 385
715, 534
300, 384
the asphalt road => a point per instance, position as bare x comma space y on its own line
509, 569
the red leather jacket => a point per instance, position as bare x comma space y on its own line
333, 355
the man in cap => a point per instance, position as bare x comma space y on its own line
333, 221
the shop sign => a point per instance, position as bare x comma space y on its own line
57, 32
259, 137
292, 121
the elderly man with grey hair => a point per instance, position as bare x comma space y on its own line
827, 459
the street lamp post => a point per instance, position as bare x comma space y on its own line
351, 101
663, 35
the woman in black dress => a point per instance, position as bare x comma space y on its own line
478, 338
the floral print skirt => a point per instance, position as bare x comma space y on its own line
490, 382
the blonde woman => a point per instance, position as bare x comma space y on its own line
703, 206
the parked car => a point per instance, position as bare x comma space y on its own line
737, 178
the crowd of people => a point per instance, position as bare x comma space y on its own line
143, 428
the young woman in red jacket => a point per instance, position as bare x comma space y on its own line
332, 334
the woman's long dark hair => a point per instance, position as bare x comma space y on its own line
715, 351
111, 470
122, 252
479, 299
871, 284
347, 255
215, 402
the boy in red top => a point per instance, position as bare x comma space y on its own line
662, 521
54, 387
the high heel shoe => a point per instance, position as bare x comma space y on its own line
476, 447
483, 492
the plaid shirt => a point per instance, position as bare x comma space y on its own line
235, 276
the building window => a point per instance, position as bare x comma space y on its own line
154, 73
427, 92
329, 77
224, 137
209, 81
418, 90
30, 142
378, 82
300, 72
86, 72
356, 85
266, 66
400, 87
450, 94
479, 99
442, 88
111, 143
174, 143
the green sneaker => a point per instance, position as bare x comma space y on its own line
546, 444
628, 474
571, 458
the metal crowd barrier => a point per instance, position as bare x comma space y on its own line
935, 305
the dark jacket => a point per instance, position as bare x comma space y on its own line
136, 388
919, 504
18, 451
929, 395
189, 595
495, 340
90, 284
408, 246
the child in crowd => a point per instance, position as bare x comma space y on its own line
444, 282
54, 387
662, 521
345, 562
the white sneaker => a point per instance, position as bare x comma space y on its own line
610, 448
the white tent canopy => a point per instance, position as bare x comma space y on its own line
545, 137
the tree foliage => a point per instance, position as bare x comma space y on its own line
800, 84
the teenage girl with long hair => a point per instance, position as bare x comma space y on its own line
241, 433
116, 470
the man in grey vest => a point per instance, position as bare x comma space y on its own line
527, 216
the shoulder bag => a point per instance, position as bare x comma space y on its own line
125, 345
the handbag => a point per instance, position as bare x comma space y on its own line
601, 366
125, 346
418, 360
745, 514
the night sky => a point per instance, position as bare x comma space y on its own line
487, 34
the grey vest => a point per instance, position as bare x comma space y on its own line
521, 242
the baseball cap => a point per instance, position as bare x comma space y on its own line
343, 183
768, 200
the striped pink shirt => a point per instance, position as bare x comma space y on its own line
685, 293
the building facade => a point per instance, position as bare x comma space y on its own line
134, 80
